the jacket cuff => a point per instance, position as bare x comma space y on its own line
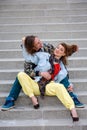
37, 73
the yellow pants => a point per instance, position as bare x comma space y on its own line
31, 88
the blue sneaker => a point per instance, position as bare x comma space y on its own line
8, 105
78, 104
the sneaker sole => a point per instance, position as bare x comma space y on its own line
79, 106
6, 109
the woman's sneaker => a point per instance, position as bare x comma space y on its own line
8, 105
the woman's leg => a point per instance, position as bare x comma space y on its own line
30, 87
55, 89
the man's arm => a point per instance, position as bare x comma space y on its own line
29, 66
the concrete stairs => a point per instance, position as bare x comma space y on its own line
53, 21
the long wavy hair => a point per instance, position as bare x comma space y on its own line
29, 44
69, 50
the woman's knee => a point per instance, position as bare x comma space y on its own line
59, 85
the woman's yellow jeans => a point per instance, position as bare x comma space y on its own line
31, 88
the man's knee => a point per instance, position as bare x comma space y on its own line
20, 74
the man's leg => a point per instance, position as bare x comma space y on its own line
13, 95
15, 90
77, 103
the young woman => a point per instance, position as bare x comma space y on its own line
53, 64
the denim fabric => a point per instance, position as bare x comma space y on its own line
65, 82
72, 95
15, 90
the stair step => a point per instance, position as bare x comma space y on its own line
24, 100
41, 12
49, 112
12, 53
44, 27
75, 62
44, 1
53, 5
81, 73
45, 19
12, 63
35, 1
57, 124
48, 35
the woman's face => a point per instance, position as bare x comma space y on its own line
59, 51
37, 44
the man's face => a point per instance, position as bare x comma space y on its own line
37, 44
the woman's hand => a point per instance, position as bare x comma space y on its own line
46, 75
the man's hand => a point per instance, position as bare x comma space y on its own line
70, 89
23, 40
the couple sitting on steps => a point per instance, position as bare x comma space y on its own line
45, 74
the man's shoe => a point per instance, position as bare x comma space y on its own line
8, 105
78, 104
